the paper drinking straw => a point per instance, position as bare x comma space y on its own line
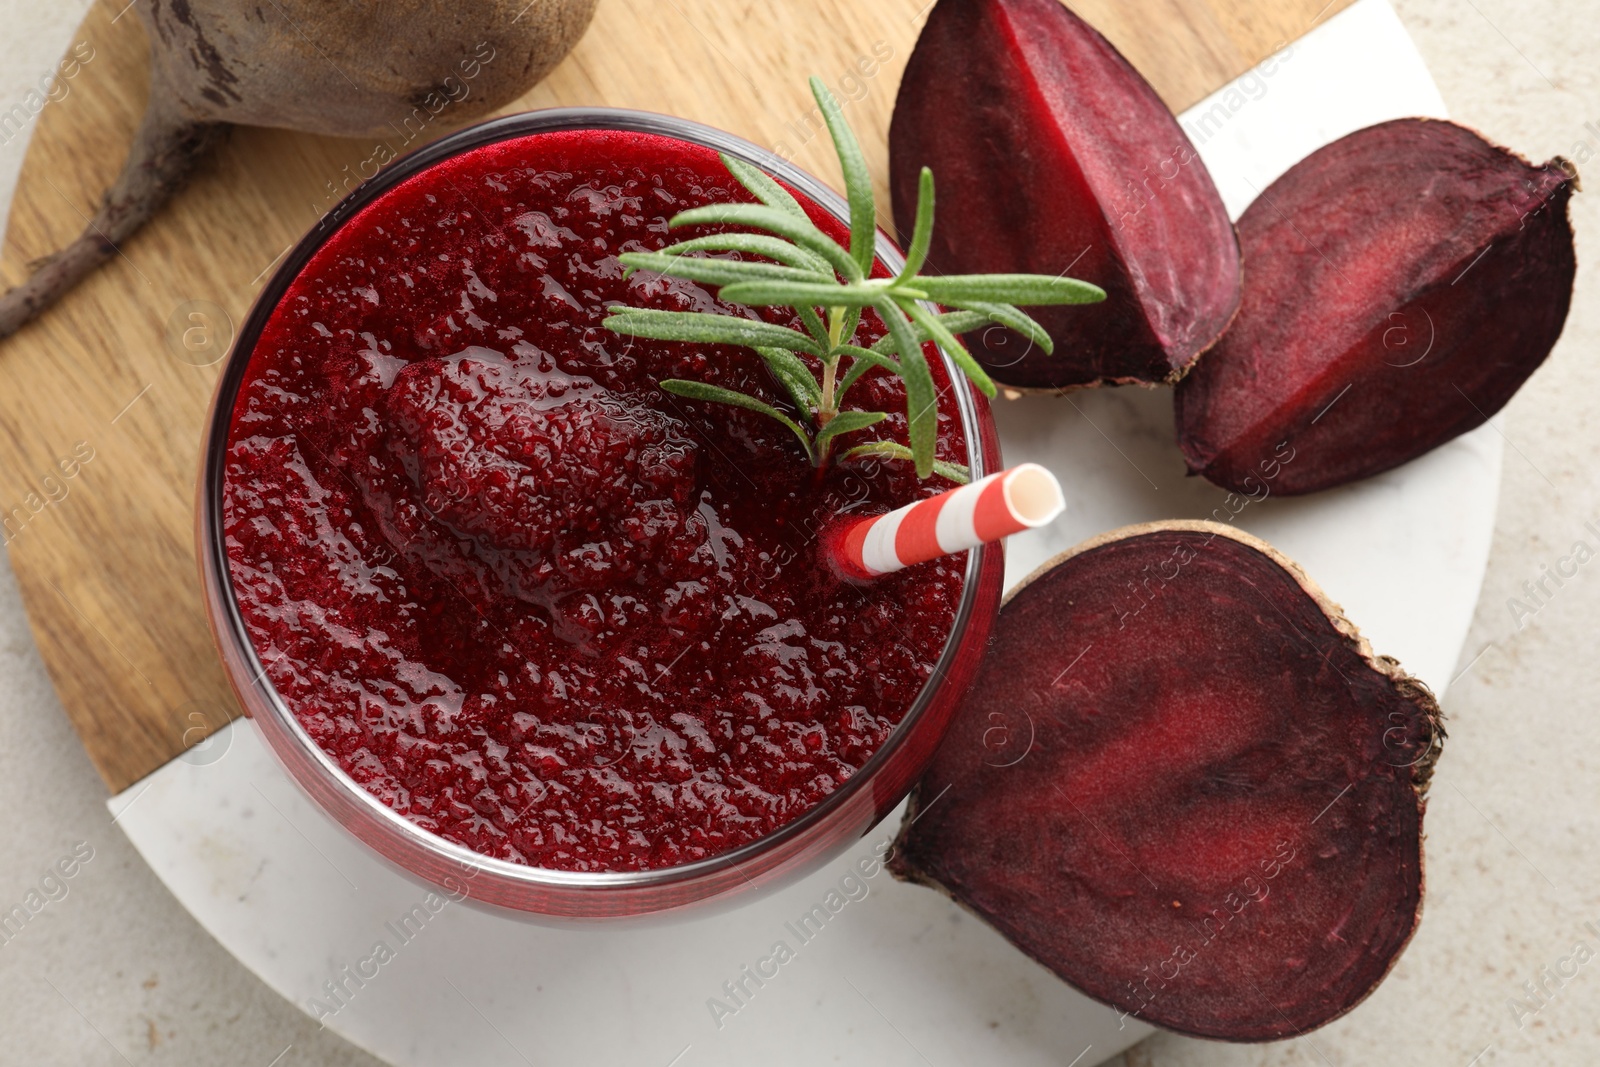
986, 510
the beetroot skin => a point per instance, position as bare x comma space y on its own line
1400, 285
1055, 156
1185, 784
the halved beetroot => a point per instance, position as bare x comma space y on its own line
1400, 285
1184, 783
1054, 156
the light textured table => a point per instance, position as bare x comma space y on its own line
115, 971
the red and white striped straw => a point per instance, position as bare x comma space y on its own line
987, 510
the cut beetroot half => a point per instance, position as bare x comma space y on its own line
1186, 785
1054, 156
1400, 285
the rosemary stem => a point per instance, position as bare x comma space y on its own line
835, 326
825, 409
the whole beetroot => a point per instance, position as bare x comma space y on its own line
1400, 285
357, 69
1054, 155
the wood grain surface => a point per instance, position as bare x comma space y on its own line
103, 399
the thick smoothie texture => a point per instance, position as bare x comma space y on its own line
521, 595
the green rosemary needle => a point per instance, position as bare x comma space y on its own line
830, 287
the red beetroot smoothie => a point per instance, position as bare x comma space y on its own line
524, 597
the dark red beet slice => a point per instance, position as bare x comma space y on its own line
1185, 784
1400, 285
1053, 155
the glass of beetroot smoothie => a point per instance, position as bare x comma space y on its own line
518, 619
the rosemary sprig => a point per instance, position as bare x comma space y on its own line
830, 287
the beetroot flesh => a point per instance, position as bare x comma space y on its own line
1184, 783
1053, 155
1400, 285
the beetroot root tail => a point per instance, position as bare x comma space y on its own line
164, 154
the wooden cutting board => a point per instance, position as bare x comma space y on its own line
102, 401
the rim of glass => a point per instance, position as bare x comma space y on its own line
213, 479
